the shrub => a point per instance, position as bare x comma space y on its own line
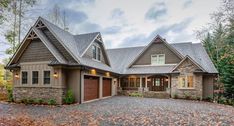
136, 94
10, 94
187, 96
175, 96
40, 101
24, 101
222, 100
209, 99
69, 97
30, 101
52, 102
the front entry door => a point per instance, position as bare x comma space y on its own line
158, 84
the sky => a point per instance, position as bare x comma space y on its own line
127, 23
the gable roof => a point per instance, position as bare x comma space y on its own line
119, 59
194, 62
85, 40
157, 39
64, 37
195, 51
45, 41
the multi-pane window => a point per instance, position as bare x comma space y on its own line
157, 81
24, 77
94, 49
46, 77
138, 82
157, 59
96, 52
186, 81
131, 82
35, 77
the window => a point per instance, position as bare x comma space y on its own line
157, 81
138, 82
24, 77
96, 52
157, 59
132, 82
35, 77
94, 49
46, 77
186, 81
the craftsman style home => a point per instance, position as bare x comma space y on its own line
51, 61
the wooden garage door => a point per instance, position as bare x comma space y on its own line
106, 87
91, 88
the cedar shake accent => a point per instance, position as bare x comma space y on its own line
36, 52
157, 48
89, 53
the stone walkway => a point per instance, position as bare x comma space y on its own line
122, 110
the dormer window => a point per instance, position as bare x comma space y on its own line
157, 59
96, 53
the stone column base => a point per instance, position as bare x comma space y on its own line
140, 89
146, 89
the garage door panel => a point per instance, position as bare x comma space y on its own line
91, 88
106, 91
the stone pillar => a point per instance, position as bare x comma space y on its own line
140, 88
146, 87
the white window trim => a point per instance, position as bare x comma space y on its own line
37, 78
96, 53
21, 77
157, 64
43, 75
186, 82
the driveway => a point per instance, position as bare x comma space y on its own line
122, 110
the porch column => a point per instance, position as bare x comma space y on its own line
146, 87
140, 88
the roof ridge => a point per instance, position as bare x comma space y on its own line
56, 26
125, 47
182, 43
87, 33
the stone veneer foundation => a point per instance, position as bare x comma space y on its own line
45, 93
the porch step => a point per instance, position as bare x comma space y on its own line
153, 94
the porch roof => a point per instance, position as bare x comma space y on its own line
149, 69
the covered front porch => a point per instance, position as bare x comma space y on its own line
145, 83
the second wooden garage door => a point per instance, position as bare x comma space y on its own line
91, 88
106, 87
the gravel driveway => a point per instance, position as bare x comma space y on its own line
122, 110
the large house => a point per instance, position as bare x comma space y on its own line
51, 61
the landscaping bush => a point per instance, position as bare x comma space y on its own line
52, 102
10, 94
30, 101
69, 97
187, 96
136, 94
40, 101
222, 100
175, 96
24, 101
209, 99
